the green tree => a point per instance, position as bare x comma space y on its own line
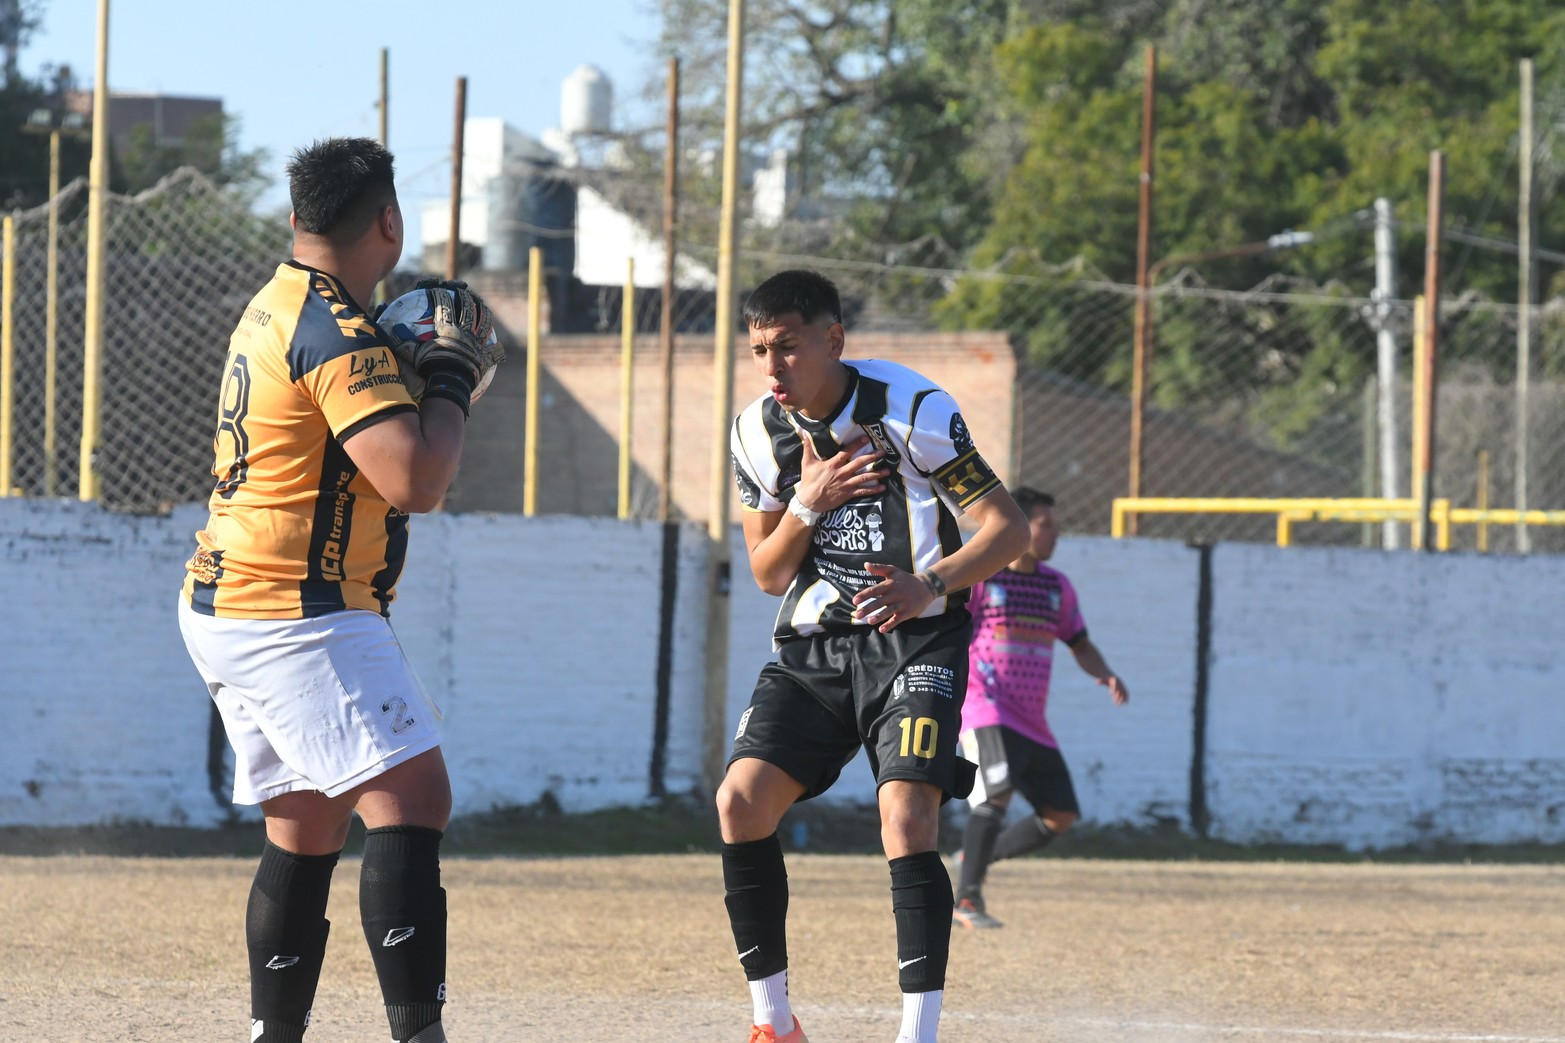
210, 145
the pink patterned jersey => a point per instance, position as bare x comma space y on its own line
1017, 617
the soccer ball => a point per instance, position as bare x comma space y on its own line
410, 320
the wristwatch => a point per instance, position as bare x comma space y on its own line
798, 510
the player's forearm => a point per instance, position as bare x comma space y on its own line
436, 452
1091, 660
1001, 539
775, 560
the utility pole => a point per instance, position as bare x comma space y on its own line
1386, 358
454, 239
1526, 294
666, 318
1141, 359
1430, 363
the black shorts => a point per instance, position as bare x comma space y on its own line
1008, 760
898, 695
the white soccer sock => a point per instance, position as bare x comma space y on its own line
920, 1016
770, 996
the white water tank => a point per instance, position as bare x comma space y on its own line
586, 100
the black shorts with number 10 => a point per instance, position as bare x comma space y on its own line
899, 695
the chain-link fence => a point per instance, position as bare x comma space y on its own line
181, 261
1271, 392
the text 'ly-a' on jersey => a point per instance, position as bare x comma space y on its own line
1017, 618
295, 530
932, 473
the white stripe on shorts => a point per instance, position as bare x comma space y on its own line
310, 704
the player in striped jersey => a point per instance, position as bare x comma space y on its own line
320, 456
1018, 615
852, 476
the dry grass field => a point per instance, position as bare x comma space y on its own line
600, 949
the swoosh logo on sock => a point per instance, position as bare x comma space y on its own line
396, 935
747, 952
908, 963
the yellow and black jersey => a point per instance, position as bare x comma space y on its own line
295, 530
933, 473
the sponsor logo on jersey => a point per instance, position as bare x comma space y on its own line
331, 554
853, 527
744, 721
373, 369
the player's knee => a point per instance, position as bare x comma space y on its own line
740, 817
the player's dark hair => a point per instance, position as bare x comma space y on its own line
809, 294
1028, 498
338, 185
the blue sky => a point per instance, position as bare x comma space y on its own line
293, 70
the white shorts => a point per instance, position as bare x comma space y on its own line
310, 704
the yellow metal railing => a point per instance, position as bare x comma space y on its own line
1292, 511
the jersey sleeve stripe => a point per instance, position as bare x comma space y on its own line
373, 419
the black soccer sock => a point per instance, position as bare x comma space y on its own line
403, 908
921, 902
1026, 834
285, 933
755, 883
978, 839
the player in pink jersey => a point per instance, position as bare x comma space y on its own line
1018, 615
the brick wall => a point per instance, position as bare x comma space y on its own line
579, 421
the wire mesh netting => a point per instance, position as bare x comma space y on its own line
181, 261
1270, 392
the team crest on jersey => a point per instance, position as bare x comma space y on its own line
960, 437
888, 450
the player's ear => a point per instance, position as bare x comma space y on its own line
835, 337
390, 222
293, 220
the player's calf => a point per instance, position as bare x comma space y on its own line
403, 908
285, 932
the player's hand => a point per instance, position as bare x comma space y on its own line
1117, 689
825, 485
464, 331
898, 597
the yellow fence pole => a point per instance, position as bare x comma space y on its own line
1419, 464
97, 206
7, 347
1483, 499
627, 354
534, 368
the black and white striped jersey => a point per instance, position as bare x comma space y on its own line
934, 473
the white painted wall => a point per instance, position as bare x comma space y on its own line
1355, 697
1376, 699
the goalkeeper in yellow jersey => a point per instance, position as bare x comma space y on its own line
320, 455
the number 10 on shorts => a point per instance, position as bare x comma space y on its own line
919, 735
